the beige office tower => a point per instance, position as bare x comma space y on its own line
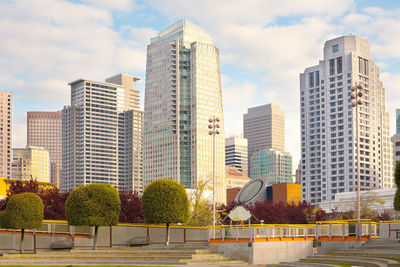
328, 123
31, 162
102, 134
44, 130
5, 133
183, 90
264, 128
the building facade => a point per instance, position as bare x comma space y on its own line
328, 144
264, 128
235, 178
236, 154
396, 148
398, 121
101, 134
5, 133
44, 130
31, 162
183, 91
272, 166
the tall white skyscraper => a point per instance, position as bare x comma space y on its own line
101, 134
328, 145
183, 90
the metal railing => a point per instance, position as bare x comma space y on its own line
323, 230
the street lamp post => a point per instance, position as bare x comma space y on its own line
356, 94
213, 126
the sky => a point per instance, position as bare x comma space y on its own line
264, 45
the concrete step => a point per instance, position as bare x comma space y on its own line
116, 253
89, 262
91, 257
374, 254
302, 264
387, 247
363, 261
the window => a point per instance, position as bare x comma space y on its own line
311, 79
339, 67
363, 66
332, 67
335, 48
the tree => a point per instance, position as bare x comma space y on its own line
53, 199
54, 203
165, 201
131, 207
396, 201
201, 213
94, 205
23, 211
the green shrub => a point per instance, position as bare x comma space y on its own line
93, 205
165, 201
397, 174
23, 211
396, 202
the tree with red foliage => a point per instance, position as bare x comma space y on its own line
54, 203
131, 208
53, 199
282, 213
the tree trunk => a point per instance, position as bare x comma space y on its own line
96, 229
21, 249
167, 237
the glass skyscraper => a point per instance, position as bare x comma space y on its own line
397, 120
272, 165
183, 90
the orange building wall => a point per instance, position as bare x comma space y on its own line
286, 193
231, 194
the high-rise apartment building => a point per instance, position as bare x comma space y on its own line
183, 90
271, 165
31, 162
396, 148
101, 134
328, 143
264, 128
5, 133
236, 153
44, 130
398, 121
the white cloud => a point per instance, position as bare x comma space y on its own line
120, 5
236, 99
47, 44
277, 40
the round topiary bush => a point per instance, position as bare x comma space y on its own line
396, 201
93, 205
165, 201
23, 211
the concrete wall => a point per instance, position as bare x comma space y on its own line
387, 230
266, 252
328, 247
107, 236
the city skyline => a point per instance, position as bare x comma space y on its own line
267, 70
